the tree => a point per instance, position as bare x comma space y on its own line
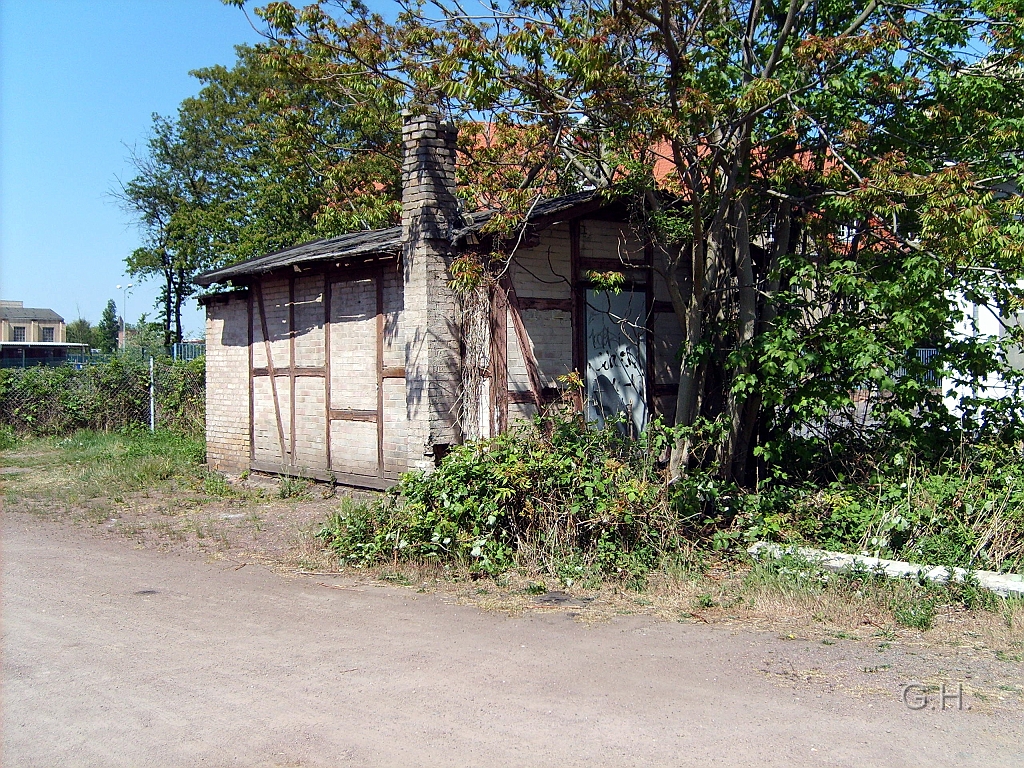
834, 177
144, 337
108, 328
256, 162
81, 331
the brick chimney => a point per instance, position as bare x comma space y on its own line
430, 213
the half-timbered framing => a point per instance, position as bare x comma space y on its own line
351, 348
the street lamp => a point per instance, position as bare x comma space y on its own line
124, 314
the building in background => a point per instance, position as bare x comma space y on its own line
28, 324
32, 336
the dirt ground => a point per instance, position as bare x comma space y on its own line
253, 557
116, 654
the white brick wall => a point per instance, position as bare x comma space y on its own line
310, 422
275, 305
545, 271
550, 330
354, 345
309, 320
354, 447
610, 240
266, 435
227, 386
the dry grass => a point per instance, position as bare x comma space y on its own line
751, 597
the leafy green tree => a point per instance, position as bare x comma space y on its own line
145, 337
107, 329
81, 331
257, 161
832, 178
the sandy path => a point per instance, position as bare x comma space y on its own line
115, 656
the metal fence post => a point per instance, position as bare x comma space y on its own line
152, 398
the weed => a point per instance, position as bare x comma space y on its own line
294, 488
8, 439
214, 484
89, 465
965, 508
556, 496
168, 530
916, 614
536, 588
399, 579
129, 529
705, 601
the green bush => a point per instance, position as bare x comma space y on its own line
8, 440
181, 398
965, 509
110, 396
556, 493
561, 497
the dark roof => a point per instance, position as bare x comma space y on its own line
369, 242
544, 212
380, 241
28, 314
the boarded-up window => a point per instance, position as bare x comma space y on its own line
616, 375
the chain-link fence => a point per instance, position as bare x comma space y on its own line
78, 356
120, 393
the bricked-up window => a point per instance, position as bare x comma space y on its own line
47, 334
19, 333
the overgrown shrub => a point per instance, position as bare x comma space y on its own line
557, 494
965, 509
8, 439
181, 395
109, 396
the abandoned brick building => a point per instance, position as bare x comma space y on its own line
352, 359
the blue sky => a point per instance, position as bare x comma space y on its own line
79, 81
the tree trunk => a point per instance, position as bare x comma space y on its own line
746, 327
691, 314
168, 293
179, 298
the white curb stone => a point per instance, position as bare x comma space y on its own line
1005, 584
